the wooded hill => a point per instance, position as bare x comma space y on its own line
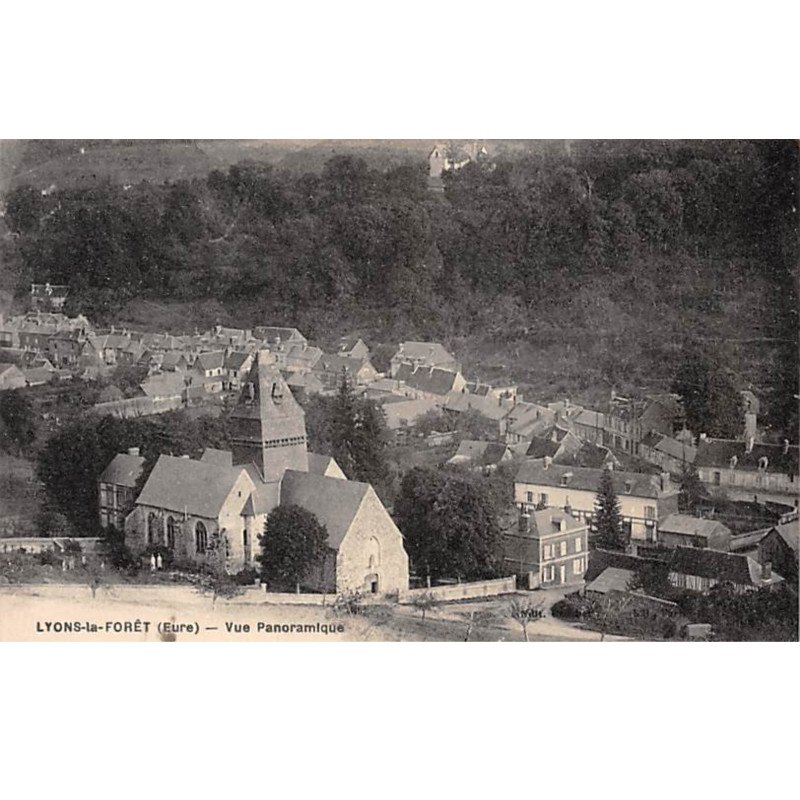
570, 269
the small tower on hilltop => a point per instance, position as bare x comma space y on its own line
268, 426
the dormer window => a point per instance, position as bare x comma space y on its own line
628, 486
277, 394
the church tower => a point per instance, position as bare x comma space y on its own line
268, 426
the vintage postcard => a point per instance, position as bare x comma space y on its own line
399, 390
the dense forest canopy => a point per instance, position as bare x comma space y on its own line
611, 254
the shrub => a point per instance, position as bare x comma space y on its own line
246, 577
573, 606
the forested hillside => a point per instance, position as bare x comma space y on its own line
572, 269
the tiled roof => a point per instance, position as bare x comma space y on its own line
725, 567
324, 465
222, 458
408, 411
124, 470
690, 526
790, 533
431, 353
719, 452
588, 479
611, 579
213, 360
477, 452
429, 379
183, 484
333, 501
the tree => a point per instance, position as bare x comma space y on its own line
423, 603
18, 417
607, 514
711, 402
292, 546
691, 489
450, 524
525, 611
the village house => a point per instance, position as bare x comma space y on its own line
644, 499
237, 367
780, 548
303, 384
526, 420
549, 547
210, 512
353, 347
743, 470
48, 296
11, 377
684, 530
432, 381
423, 354
330, 369
481, 456
494, 412
671, 455
117, 486
272, 337
701, 569
402, 415
299, 358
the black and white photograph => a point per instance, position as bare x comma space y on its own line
455, 390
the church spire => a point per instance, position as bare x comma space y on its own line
268, 426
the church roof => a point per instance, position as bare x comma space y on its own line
188, 486
333, 501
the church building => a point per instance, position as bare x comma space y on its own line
211, 511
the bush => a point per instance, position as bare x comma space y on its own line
246, 577
47, 558
573, 606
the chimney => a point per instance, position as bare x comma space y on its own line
749, 445
524, 523
133, 451
766, 571
786, 447
664, 481
547, 462
568, 508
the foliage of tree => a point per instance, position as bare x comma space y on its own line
73, 458
293, 545
18, 418
524, 611
607, 515
711, 402
352, 430
450, 525
691, 491
503, 251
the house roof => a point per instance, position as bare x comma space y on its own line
680, 450
124, 470
611, 579
185, 485
334, 364
431, 353
321, 465
691, 526
724, 567
212, 360
407, 411
333, 501
719, 452
236, 359
535, 472
272, 334
590, 419
167, 384
477, 452
429, 379
12, 367
790, 533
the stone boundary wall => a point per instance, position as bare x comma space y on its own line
463, 591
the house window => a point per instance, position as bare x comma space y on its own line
649, 512
563, 548
543, 499
716, 478
548, 551
578, 544
245, 538
577, 566
172, 527
529, 496
200, 537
